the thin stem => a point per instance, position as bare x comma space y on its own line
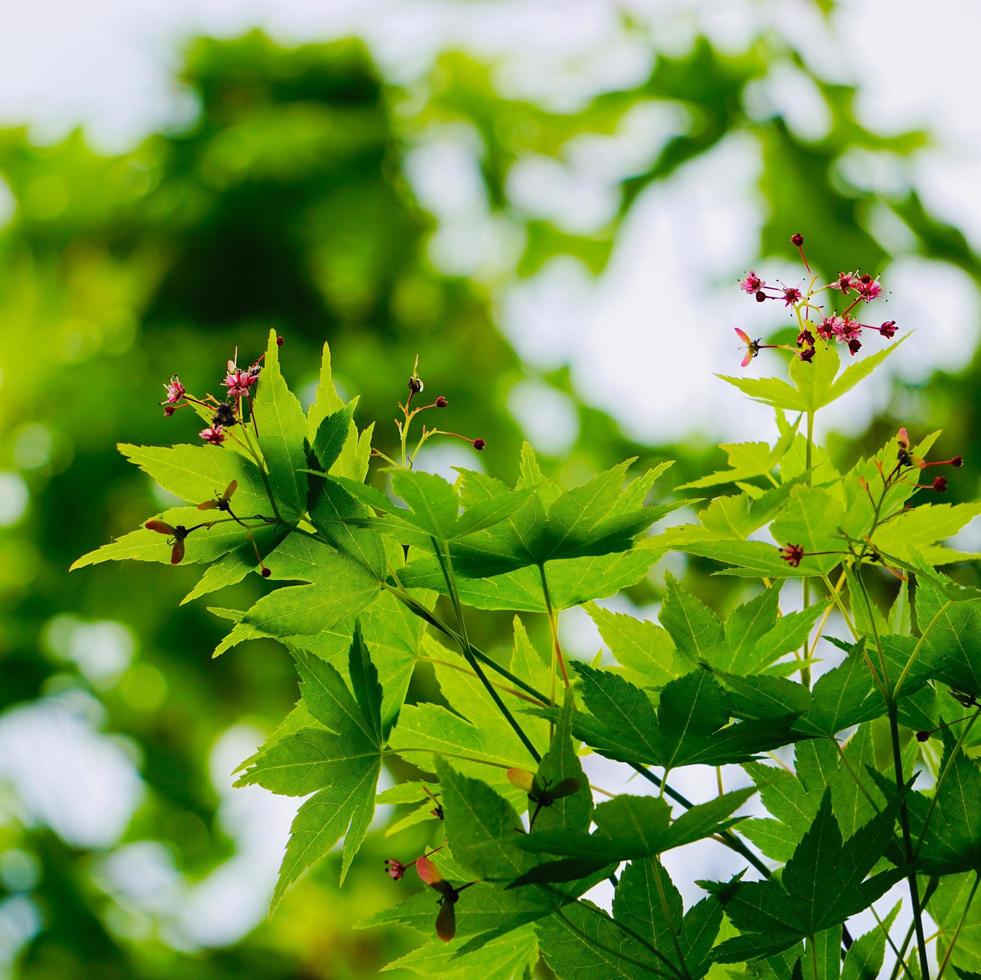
553, 624
901, 952
514, 692
851, 772
805, 669
960, 925
835, 594
897, 758
889, 939
423, 613
446, 564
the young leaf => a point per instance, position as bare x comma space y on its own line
632, 828
641, 646
332, 434
865, 957
281, 432
481, 827
346, 757
581, 942
560, 766
695, 629
823, 884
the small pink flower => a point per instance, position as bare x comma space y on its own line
395, 869
854, 346
791, 295
751, 284
238, 382
868, 288
175, 391
806, 354
845, 281
830, 328
214, 435
851, 329
805, 338
792, 554
888, 329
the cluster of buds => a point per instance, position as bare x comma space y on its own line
225, 412
403, 425
814, 321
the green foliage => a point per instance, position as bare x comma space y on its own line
822, 885
371, 590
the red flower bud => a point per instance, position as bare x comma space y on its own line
395, 869
797, 239
479, 445
922, 736
792, 554
940, 484
441, 402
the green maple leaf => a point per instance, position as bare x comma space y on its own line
823, 883
337, 757
866, 955
793, 799
950, 647
281, 431
532, 524
945, 827
647, 935
690, 725
647, 900
571, 581
753, 638
644, 649
628, 828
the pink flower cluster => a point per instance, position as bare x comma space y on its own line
226, 413
829, 325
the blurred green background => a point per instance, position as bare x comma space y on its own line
559, 239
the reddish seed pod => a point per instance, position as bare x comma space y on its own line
760, 296
797, 239
280, 341
957, 461
266, 572
479, 445
441, 402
